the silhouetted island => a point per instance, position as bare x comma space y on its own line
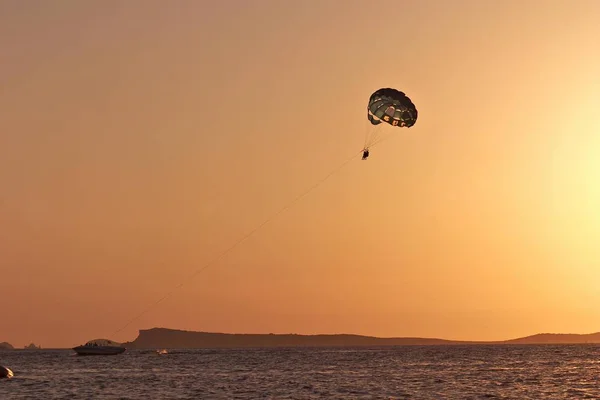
6, 346
557, 338
32, 346
171, 338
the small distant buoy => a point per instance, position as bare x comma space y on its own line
5, 372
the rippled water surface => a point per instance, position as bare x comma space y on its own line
406, 372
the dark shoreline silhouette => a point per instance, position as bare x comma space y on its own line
172, 338
6, 346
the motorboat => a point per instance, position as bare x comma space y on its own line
100, 347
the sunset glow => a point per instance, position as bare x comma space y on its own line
141, 139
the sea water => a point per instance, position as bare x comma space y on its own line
401, 372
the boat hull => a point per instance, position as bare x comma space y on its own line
98, 350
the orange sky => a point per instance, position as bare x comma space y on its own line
139, 140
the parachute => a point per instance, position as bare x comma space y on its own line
389, 106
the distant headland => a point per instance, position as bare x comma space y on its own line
171, 338
6, 346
